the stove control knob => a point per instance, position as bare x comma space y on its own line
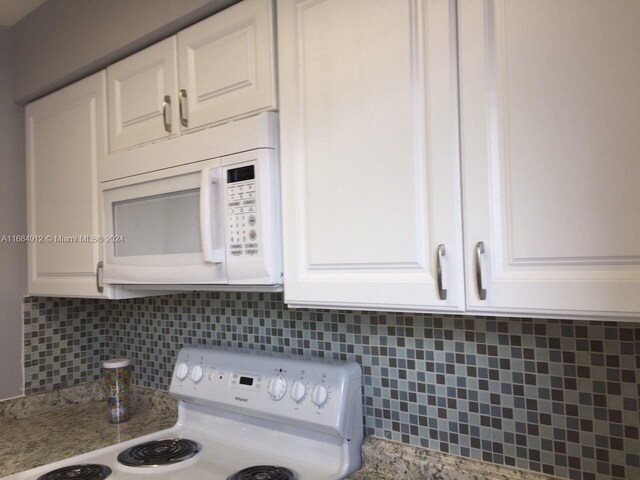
298, 391
320, 395
182, 371
277, 387
196, 374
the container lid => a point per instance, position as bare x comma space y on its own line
116, 363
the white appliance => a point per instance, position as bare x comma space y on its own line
211, 219
243, 411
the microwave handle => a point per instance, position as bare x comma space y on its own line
209, 253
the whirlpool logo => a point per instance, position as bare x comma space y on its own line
240, 399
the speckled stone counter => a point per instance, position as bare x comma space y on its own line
45, 428
387, 460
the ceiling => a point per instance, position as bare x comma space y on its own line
11, 11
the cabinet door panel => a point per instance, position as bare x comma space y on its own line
369, 153
226, 64
66, 134
137, 89
550, 110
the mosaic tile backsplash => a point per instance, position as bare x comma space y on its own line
64, 341
556, 396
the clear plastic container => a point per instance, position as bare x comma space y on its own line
117, 383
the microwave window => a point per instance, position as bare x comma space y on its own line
240, 174
158, 225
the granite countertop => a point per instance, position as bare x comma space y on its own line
387, 460
46, 428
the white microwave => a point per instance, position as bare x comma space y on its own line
213, 221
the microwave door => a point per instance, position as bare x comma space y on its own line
167, 224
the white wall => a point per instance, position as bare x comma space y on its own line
13, 256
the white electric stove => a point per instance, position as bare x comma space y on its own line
241, 416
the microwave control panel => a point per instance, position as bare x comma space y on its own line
242, 209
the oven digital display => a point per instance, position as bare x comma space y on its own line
246, 381
240, 174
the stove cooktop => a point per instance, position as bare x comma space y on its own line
215, 461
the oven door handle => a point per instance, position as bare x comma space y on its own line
210, 254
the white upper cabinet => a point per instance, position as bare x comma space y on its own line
214, 71
66, 137
142, 96
369, 154
550, 116
227, 66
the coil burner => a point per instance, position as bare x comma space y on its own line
78, 472
263, 472
159, 452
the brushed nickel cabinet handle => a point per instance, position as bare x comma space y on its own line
184, 119
99, 282
482, 292
442, 292
166, 113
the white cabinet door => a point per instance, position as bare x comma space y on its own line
370, 170
227, 66
550, 110
143, 96
66, 133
